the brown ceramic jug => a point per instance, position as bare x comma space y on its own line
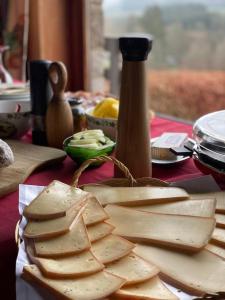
59, 117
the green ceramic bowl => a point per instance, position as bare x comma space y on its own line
80, 154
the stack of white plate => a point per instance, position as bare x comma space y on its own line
14, 92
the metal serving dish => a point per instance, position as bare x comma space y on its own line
209, 148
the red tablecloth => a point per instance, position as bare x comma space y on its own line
9, 204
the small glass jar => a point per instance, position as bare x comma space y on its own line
79, 118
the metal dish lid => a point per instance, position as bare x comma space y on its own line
210, 130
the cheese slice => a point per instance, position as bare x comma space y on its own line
131, 196
74, 241
95, 286
160, 147
54, 201
152, 289
218, 237
220, 220
216, 250
94, 212
219, 196
199, 273
74, 266
201, 208
133, 268
111, 248
187, 232
99, 231
51, 228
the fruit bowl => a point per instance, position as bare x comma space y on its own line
107, 125
81, 154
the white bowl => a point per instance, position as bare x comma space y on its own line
108, 125
13, 123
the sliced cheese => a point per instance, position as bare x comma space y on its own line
51, 228
218, 236
94, 212
216, 250
199, 273
96, 286
219, 196
187, 232
111, 248
160, 147
74, 241
74, 266
152, 289
131, 196
201, 208
220, 220
133, 268
99, 231
54, 201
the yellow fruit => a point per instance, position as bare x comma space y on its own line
107, 108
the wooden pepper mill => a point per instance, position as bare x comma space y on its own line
59, 117
133, 143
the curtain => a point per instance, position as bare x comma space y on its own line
46, 29
57, 32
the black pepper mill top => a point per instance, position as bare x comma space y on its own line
135, 48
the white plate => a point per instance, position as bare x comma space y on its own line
15, 99
15, 96
179, 158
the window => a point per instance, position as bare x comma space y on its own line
186, 68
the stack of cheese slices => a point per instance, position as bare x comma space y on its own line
80, 250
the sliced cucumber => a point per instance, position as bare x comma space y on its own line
95, 132
90, 146
92, 139
84, 141
93, 136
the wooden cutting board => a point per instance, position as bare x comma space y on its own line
28, 157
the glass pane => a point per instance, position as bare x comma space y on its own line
186, 67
